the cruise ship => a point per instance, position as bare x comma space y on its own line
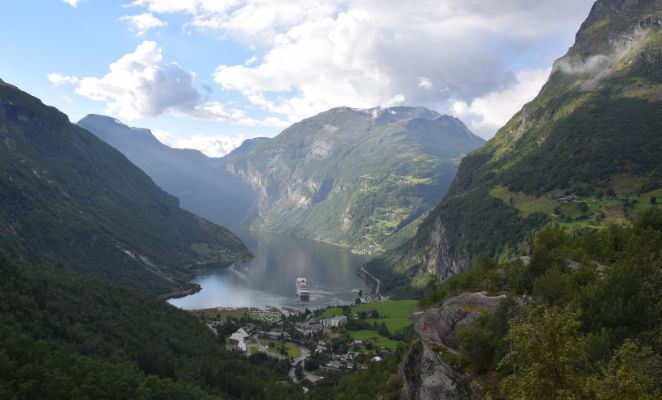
302, 289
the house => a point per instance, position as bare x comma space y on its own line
334, 322
237, 340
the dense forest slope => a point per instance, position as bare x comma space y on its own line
65, 196
355, 177
585, 152
201, 183
579, 318
63, 336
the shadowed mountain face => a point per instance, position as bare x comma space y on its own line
66, 196
585, 152
355, 178
201, 183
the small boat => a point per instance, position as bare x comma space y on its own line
303, 291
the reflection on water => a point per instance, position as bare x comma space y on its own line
270, 278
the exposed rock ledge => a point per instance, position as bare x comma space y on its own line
425, 374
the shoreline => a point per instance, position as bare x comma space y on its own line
235, 268
320, 240
195, 288
177, 294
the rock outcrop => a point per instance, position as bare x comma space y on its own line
425, 373
440, 325
427, 376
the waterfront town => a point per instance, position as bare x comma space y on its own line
315, 343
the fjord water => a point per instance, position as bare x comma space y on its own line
269, 279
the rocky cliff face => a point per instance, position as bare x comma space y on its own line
427, 376
425, 372
440, 258
354, 177
593, 129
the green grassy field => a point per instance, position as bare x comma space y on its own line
389, 309
365, 334
388, 343
291, 349
392, 324
386, 309
395, 314
526, 204
380, 341
597, 211
331, 312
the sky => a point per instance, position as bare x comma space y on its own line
208, 74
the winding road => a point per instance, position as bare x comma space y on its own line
373, 277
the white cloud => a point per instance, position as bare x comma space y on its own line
211, 146
73, 3
592, 64
213, 110
140, 84
485, 114
251, 60
58, 79
141, 23
318, 54
163, 136
424, 82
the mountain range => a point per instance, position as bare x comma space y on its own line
357, 178
540, 256
584, 153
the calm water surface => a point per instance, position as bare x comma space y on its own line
269, 279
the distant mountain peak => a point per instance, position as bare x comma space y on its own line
108, 121
111, 130
399, 112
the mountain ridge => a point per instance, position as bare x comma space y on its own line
580, 154
69, 197
293, 175
313, 177
201, 183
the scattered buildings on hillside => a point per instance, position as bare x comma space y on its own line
316, 325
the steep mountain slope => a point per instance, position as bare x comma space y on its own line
243, 150
63, 336
585, 152
355, 177
200, 183
65, 196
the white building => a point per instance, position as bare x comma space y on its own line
336, 321
237, 339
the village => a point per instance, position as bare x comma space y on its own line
318, 342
